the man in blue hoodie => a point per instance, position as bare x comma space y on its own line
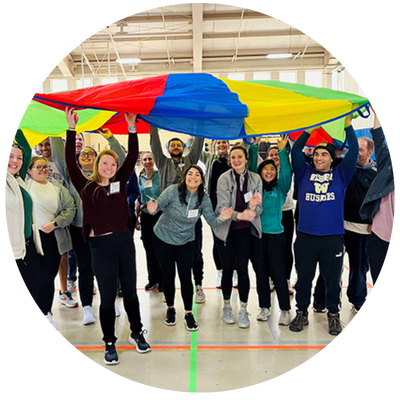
321, 193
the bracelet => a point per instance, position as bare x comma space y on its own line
132, 129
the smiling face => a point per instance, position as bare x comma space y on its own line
273, 155
268, 173
44, 148
193, 179
86, 159
147, 161
39, 171
322, 160
107, 167
238, 160
15, 161
221, 147
175, 148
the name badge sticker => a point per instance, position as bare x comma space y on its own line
248, 196
148, 184
193, 213
114, 187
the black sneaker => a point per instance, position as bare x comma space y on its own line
151, 286
335, 326
299, 321
319, 306
170, 317
191, 324
110, 355
138, 340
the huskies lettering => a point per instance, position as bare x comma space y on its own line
320, 197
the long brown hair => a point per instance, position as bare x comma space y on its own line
182, 186
95, 177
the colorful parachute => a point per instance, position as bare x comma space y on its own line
200, 105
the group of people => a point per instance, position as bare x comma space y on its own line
73, 210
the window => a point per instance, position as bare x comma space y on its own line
105, 81
287, 77
262, 76
314, 78
236, 77
59, 85
83, 83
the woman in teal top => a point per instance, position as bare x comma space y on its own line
149, 187
275, 189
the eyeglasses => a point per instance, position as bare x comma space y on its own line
41, 167
88, 154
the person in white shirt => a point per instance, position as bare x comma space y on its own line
54, 210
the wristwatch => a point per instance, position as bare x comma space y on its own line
55, 224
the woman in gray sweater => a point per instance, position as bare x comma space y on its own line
174, 234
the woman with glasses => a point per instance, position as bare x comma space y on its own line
54, 210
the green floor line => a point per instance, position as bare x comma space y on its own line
193, 356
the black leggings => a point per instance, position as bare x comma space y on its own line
183, 256
113, 257
49, 265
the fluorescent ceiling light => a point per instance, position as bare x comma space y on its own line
128, 60
283, 55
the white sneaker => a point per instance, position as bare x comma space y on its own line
88, 317
227, 315
284, 319
200, 297
50, 322
263, 314
244, 321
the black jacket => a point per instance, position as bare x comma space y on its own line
383, 183
356, 192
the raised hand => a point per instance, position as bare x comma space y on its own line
282, 142
72, 117
130, 118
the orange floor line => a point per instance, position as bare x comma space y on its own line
200, 347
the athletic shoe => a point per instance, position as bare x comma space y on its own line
244, 321
227, 315
319, 306
284, 319
170, 317
335, 326
50, 322
190, 322
88, 317
151, 286
138, 340
299, 321
117, 312
67, 300
71, 286
110, 354
263, 314
356, 308
200, 297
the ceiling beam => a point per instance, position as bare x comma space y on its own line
222, 16
66, 66
197, 14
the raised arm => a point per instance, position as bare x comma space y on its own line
297, 150
156, 148
350, 160
74, 172
115, 146
196, 150
21, 141
58, 154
